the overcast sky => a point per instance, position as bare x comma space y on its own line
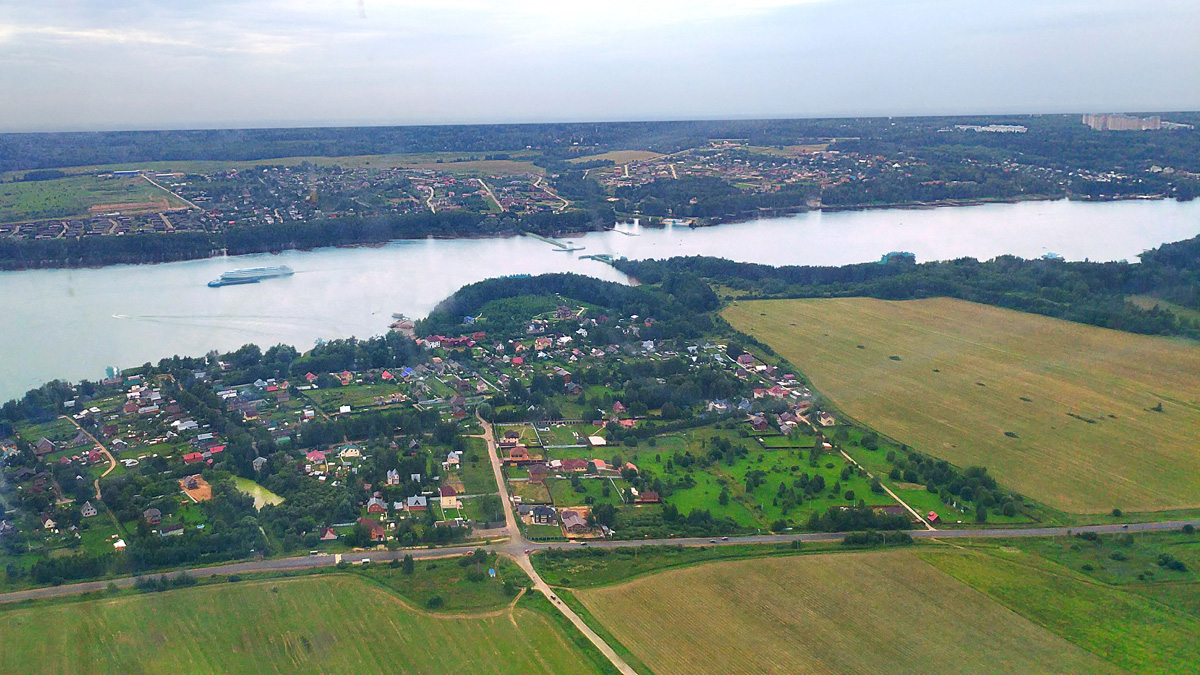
130, 64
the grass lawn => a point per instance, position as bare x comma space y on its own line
952, 378
357, 396
327, 623
448, 580
477, 475
58, 430
565, 434
565, 495
875, 612
535, 493
262, 496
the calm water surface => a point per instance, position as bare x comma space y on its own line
70, 324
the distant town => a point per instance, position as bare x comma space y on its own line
567, 184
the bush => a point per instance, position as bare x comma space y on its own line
872, 538
1189, 528
779, 525
1116, 513
435, 602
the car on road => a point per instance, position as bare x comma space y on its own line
724, 538
712, 541
526, 551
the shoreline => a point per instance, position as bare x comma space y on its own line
696, 224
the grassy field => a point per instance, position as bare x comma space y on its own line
1142, 628
619, 157
1059, 411
449, 162
1150, 302
846, 613
72, 196
330, 623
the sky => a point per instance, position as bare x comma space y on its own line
170, 64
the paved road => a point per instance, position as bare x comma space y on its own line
518, 548
519, 544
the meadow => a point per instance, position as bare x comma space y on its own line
875, 612
1140, 626
759, 506
74, 195
618, 157
451, 162
1080, 418
327, 623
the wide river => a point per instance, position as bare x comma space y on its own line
71, 324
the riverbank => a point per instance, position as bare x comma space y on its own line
149, 249
72, 323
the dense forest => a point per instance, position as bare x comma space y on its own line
678, 308
1087, 292
1053, 138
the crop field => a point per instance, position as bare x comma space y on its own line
841, 613
1080, 418
74, 195
337, 623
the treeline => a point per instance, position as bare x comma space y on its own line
676, 308
1086, 292
18, 254
1059, 138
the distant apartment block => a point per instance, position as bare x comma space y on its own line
1118, 122
993, 128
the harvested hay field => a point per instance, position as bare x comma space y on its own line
837, 613
1062, 412
327, 624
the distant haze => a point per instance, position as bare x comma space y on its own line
136, 64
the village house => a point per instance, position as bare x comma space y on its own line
449, 497
543, 515
87, 510
375, 505
538, 473
416, 503
152, 516
574, 523
375, 529
328, 534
